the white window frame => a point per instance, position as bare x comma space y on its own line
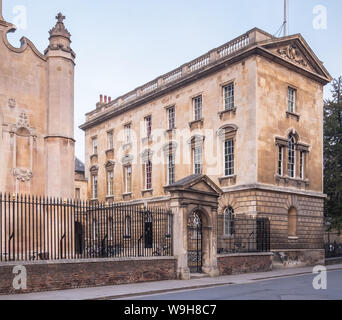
229, 101
110, 140
110, 186
171, 113
95, 186
198, 159
292, 140
291, 99
198, 108
280, 161
127, 168
228, 222
302, 165
128, 133
225, 168
148, 163
95, 145
169, 167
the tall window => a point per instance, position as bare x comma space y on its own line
128, 227
148, 125
171, 169
148, 175
197, 102
280, 161
302, 165
197, 154
128, 133
292, 222
110, 183
291, 98
95, 187
228, 92
94, 145
229, 157
171, 115
228, 221
110, 138
128, 179
292, 157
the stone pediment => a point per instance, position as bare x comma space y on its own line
296, 51
196, 183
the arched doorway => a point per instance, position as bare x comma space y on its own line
195, 242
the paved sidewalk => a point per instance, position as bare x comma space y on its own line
127, 290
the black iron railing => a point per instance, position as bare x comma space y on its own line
40, 228
333, 245
245, 234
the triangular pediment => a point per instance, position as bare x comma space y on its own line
203, 187
196, 183
295, 50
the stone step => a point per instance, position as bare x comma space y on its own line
199, 275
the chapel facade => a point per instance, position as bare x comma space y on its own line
37, 114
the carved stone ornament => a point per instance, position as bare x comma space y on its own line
23, 120
292, 53
12, 103
23, 175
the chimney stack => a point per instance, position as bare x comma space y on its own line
101, 98
105, 99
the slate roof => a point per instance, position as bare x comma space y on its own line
79, 165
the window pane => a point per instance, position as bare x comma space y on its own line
148, 172
229, 157
171, 112
291, 157
171, 169
148, 124
198, 160
280, 162
291, 100
110, 140
197, 108
229, 97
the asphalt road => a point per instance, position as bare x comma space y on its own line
287, 288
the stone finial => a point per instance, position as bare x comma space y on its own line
59, 29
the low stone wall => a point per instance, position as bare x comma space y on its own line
298, 258
229, 264
58, 275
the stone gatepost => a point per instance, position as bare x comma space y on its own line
195, 193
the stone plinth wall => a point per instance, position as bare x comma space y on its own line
230, 264
47, 276
298, 258
275, 206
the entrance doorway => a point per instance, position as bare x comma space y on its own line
195, 241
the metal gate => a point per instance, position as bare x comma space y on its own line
195, 243
263, 235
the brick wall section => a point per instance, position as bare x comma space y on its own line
68, 275
275, 205
244, 263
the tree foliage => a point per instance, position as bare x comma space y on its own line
333, 155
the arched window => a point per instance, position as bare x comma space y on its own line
292, 157
228, 218
292, 222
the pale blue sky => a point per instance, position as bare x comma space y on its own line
121, 44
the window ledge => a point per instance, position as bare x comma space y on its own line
288, 181
93, 156
127, 194
144, 192
293, 238
127, 145
109, 151
110, 198
222, 113
292, 115
225, 178
192, 123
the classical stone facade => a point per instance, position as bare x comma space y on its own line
249, 115
37, 114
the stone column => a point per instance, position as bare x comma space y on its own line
180, 239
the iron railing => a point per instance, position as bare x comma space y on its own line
244, 235
40, 228
333, 245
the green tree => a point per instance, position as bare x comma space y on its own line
333, 155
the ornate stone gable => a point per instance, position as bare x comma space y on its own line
292, 53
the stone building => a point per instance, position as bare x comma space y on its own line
37, 114
235, 132
81, 183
